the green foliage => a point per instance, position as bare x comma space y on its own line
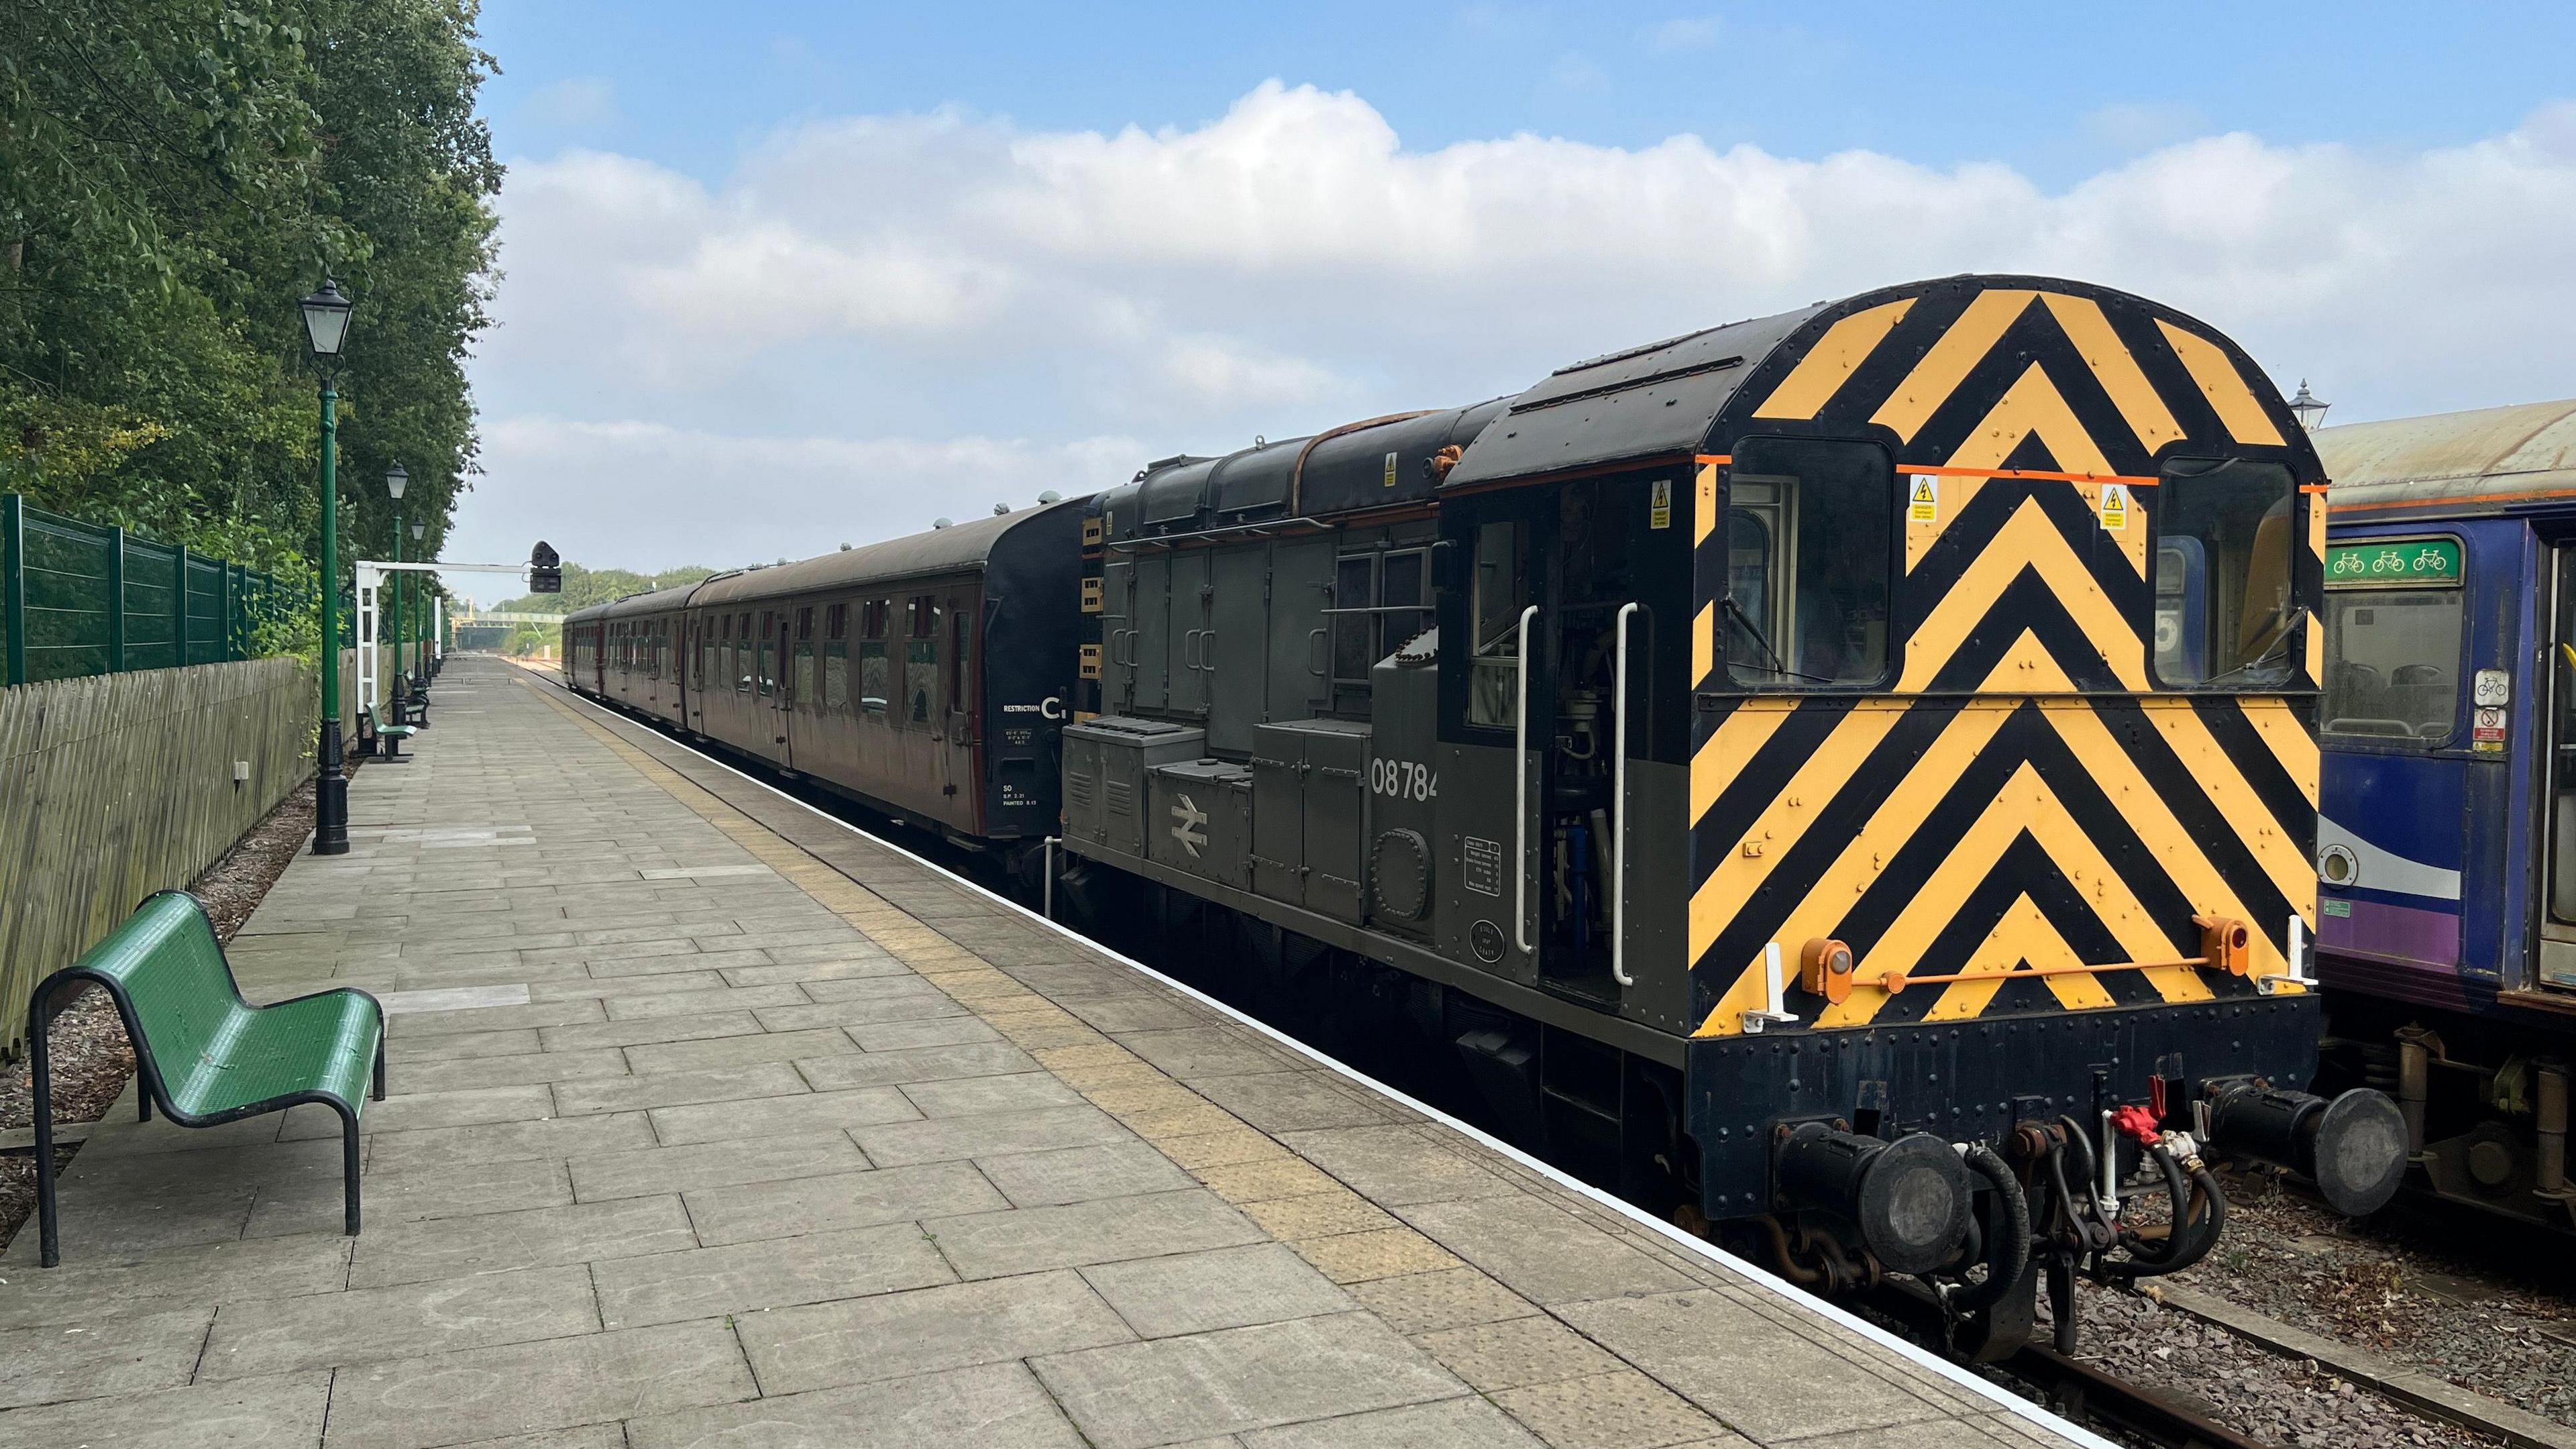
173, 175
583, 587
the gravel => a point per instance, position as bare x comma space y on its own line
2286, 1402
2452, 1292
92, 1060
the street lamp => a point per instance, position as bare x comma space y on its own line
397, 478
326, 325
420, 633
2310, 409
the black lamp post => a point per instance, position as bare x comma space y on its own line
326, 326
397, 478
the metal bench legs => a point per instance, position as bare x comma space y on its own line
48, 1236
349, 1170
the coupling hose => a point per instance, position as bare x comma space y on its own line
2008, 1251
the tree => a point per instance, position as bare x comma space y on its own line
173, 173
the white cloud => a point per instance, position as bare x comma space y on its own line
1290, 264
649, 495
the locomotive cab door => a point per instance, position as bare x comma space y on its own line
1549, 578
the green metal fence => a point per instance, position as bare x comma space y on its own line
78, 599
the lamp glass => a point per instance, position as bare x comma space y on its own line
326, 319
397, 478
417, 530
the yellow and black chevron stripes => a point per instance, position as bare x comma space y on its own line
2022, 792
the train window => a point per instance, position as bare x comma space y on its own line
2224, 610
766, 673
921, 670
836, 657
1499, 591
803, 677
1810, 563
2393, 664
872, 675
959, 657
742, 660
1355, 633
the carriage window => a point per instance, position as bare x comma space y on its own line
876, 685
921, 661
836, 657
768, 668
959, 641
803, 677
1499, 591
2224, 609
1810, 563
2393, 664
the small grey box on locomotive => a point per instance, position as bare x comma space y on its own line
1106, 761
1199, 819
1310, 813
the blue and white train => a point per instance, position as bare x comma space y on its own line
2446, 847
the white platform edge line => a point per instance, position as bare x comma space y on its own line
1751, 1274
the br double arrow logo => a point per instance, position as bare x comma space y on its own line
1189, 824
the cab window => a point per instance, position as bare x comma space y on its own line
1810, 564
2225, 613
2393, 641
1498, 589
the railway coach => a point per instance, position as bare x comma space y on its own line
1849, 775
2447, 847
925, 677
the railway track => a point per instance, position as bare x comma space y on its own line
2089, 1395
2128, 1411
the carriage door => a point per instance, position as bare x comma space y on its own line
2558, 915
770, 682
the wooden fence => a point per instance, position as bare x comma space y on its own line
115, 786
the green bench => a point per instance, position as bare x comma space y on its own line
201, 1051
388, 737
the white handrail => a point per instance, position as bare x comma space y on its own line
1520, 791
1619, 805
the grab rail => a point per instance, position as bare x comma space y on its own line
1619, 804
1520, 791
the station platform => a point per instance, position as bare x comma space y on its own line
716, 1122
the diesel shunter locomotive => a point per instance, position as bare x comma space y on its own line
1846, 778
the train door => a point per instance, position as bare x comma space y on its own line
958, 770
1592, 596
768, 693
1149, 640
1192, 621
1233, 652
2558, 914
1301, 584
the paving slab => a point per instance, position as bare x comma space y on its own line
716, 1123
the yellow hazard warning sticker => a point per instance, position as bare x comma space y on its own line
1659, 511
2115, 506
1390, 470
1923, 499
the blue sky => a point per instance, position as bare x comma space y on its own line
2033, 86
848, 267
